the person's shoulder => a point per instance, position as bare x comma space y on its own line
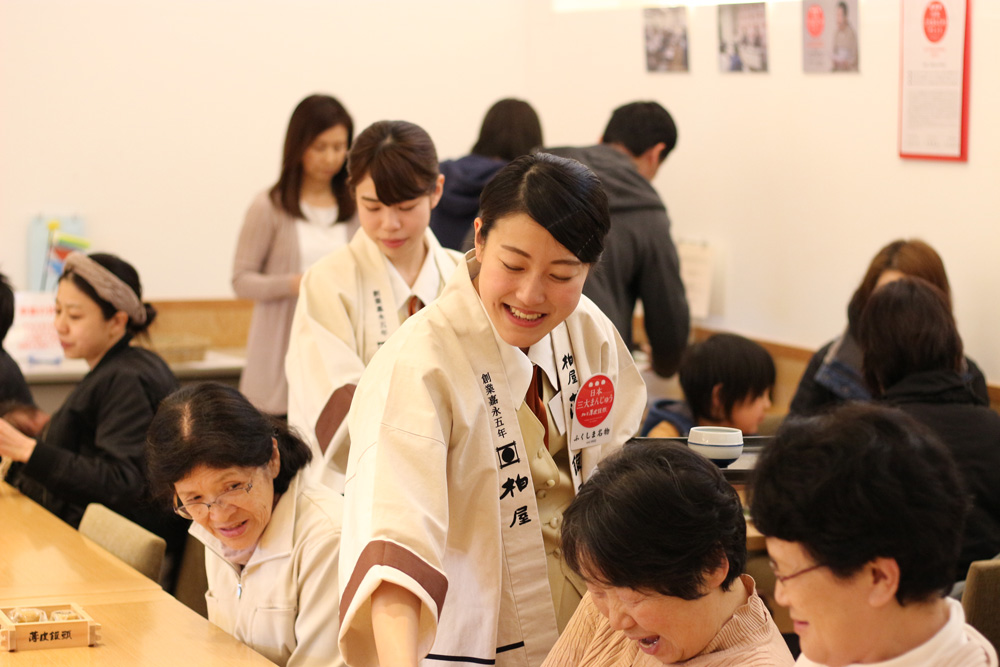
589, 316
338, 269
320, 509
136, 361
263, 204
977, 651
133, 371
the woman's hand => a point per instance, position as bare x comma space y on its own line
395, 620
15, 444
27, 419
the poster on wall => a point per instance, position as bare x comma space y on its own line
666, 39
934, 80
743, 38
830, 35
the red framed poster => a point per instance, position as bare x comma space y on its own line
934, 80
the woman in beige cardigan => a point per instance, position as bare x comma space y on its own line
307, 214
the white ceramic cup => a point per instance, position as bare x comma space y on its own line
720, 444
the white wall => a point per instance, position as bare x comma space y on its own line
157, 120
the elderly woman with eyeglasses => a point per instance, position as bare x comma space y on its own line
659, 537
863, 511
272, 539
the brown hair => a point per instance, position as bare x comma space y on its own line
510, 129
910, 257
399, 156
312, 117
906, 328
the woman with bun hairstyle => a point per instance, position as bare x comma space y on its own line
834, 374
307, 214
466, 439
92, 450
355, 298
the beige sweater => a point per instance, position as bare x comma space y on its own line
266, 264
748, 639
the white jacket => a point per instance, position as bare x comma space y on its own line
447, 496
284, 602
345, 312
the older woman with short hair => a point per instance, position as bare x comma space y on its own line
658, 535
272, 539
863, 511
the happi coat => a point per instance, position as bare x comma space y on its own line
439, 495
345, 312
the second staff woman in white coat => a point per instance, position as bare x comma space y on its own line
356, 297
465, 450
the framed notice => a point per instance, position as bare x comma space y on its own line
934, 80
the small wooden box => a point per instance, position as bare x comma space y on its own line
47, 634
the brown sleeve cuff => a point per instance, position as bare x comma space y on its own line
333, 414
392, 555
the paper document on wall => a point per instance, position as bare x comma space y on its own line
32, 337
697, 267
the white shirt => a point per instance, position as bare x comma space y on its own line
955, 645
425, 287
318, 233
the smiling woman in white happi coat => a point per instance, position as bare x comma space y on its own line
471, 430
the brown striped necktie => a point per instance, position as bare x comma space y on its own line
533, 399
414, 304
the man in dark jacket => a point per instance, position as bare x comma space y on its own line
640, 261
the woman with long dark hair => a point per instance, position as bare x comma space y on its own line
307, 214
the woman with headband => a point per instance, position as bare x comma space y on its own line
92, 450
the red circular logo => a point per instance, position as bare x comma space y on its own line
935, 21
593, 403
814, 20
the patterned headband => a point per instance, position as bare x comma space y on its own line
108, 286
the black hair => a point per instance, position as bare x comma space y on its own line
560, 194
6, 306
400, 158
214, 425
128, 275
863, 482
639, 126
743, 368
510, 129
907, 327
312, 117
655, 516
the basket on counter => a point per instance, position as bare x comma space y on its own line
178, 347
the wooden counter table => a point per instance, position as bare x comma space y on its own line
45, 561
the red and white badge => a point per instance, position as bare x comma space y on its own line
592, 420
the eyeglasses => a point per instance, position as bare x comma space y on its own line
783, 579
202, 510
